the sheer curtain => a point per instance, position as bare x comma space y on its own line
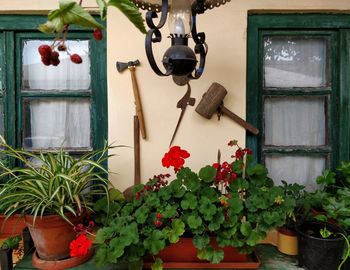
294, 121
56, 122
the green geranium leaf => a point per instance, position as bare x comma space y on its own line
191, 181
104, 234
253, 238
235, 205
170, 210
207, 174
189, 201
246, 228
206, 208
152, 200
194, 221
103, 8
239, 183
217, 220
117, 248
129, 234
257, 169
135, 265
165, 193
157, 265
141, 214
154, 242
200, 241
177, 229
212, 255
130, 11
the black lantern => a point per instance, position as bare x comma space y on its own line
179, 60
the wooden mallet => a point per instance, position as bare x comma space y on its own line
212, 101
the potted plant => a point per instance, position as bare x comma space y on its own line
330, 206
223, 205
287, 240
52, 191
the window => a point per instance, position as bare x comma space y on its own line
298, 93
47, 107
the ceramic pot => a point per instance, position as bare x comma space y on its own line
14, 225
315, 252
52, 235
183, 254
287, 241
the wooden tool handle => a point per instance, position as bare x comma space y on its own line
240, 121
137, 177
138, 102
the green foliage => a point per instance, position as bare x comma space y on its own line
71, 13
129, 9
238, 214
11, 242
333, 197
51, 183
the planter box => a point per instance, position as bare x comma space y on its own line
183, 255
14, 225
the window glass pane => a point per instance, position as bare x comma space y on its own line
295, 62
66, 76
295, 169
55, 123
295, 121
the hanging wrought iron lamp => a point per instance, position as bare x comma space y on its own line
179, 60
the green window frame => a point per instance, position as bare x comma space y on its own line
335, 28
14, 30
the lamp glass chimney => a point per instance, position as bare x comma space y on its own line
180, 18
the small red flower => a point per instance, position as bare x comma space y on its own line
80, 246
159, 216
175, 158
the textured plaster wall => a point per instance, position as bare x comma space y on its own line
225, 28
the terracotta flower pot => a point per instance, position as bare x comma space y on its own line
287, 241
52, 235
14, 225
183, 254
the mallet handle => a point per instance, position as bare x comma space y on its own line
138, 105
239, 120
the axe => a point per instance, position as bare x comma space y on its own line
132, 66
212, 101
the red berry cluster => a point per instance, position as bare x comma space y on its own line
158, 222
48, 56
97, 34
160, 182
224, 173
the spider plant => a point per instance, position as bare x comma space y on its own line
51, 183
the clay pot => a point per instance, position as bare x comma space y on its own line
287, 241
183, 254
52, 235
14, 225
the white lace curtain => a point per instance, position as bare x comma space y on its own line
291, 63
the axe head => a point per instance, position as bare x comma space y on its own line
121, 66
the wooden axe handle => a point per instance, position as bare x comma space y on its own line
137, 169
239, 120
138, 105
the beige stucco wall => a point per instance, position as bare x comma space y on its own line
225, 28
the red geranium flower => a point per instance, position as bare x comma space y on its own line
80, 246
175, 158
